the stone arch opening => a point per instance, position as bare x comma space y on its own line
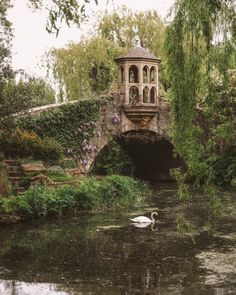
145, 74
153, 95
145, 94
133, 74
153, 77
152, 154
146, 155
133, 95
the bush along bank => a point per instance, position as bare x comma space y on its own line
92, 194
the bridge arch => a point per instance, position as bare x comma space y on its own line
151, 153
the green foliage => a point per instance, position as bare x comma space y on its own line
23, 144
20, 96
109, 192
127, 28
62, 123
68, 163
56, 173
225, 167
30, 91
6, 71
42, 201
16, 96
117, 190
185, 227
200, 47
183, 187
5, 185
70, 11
113, 160
90, 63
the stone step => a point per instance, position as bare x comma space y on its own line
15, 179
14, 174
14, 169
19, 192
20, 189
10, 162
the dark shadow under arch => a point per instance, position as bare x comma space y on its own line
133, 74
151, 155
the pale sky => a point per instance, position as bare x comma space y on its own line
31, 39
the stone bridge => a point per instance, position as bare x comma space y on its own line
136, 123
137, 115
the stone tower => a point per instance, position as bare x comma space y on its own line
138, 84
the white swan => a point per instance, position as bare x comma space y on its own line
144, 219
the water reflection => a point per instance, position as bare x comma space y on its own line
143, 225
106, 254
21, 288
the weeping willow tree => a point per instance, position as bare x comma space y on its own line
201, 53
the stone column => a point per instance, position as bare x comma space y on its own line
140, 79
157, 85
126, 82
148, 75
157, 80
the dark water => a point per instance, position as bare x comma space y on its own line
106, 254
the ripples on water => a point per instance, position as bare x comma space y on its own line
106, 254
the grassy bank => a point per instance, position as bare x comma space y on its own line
40, 201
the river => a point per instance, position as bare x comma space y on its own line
104, 253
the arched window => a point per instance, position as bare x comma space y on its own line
133, 95
121, 75
145, 74
133, 74
153, 95
146, 94
153, 77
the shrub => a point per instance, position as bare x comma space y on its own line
225, 168
89, 196
110, 191
40, 201
117, 190
47, 149
56, 173
21, 143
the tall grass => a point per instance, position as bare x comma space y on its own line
109, 192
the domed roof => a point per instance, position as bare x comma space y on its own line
137, 53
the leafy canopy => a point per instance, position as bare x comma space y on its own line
200, 47
91, 62
70, 11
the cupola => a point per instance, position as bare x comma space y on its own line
138, 83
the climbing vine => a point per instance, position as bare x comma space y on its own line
200, 43
72, 125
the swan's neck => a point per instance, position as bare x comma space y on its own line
152, 216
